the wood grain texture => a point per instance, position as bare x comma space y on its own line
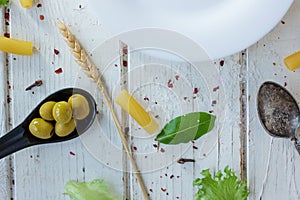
273, 162
5, 184
42, 171
228, 88
167, 90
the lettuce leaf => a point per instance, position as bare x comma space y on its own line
221, 186
94, 190
3, 2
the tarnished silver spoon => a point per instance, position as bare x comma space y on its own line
278, 112
20, 137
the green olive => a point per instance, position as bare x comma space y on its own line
41, 128
62, 112
80, 106
46, 110
63, 130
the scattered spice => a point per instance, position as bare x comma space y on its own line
58, 71
170, 84
184, 160
162, 150
56, 52
222, 63
125, 63
134, 148
177, 77
146, 99
39, 5
285, 84
150, 190
72, 153
172, 176
216, 89
163, 189
196, 90
194, 147
42, 17
214, 102
7, 35
282, 22
37, 83
6, 16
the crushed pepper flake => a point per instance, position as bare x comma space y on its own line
42, 17
58, 71
214, 102
39, 5
56, 51
196, 90
216, 88
163, 189
134, 148
177, 77
7, 35
222, 63
170, 84
72, 153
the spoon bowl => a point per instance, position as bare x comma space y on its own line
278, 111
20, 137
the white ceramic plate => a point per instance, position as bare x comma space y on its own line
221, 27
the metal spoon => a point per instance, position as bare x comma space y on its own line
278, 112
20, 137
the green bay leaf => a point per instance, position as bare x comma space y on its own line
186, 128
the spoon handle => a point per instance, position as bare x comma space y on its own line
297, 144
13, 141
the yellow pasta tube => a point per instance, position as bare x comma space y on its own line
137, 112
292, 62
16, 46
26, 3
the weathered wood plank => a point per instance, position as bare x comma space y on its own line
5, 184
273, 162
42, 171
167, 89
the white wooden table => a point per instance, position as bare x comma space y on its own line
271, 166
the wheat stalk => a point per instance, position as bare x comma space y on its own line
93, 73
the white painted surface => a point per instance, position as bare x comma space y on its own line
41, 172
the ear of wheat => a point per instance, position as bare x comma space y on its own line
93, 74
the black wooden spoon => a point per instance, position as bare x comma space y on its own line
20, 137
278, 112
